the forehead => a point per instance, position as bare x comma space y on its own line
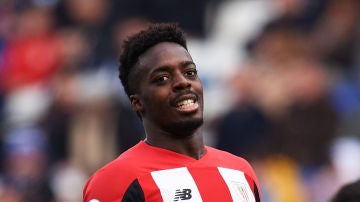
164, 54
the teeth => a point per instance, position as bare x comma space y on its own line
185, 103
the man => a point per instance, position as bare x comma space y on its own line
172, 163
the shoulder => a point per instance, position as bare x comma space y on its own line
228, 160
111, 181
226, 156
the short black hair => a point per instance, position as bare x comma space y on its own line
137, 44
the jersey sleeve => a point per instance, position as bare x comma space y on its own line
106, 186
99, 189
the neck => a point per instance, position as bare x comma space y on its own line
190, 145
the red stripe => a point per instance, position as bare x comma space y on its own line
148, 184
211, 185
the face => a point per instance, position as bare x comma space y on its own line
170, 94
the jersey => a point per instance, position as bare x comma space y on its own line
152, 174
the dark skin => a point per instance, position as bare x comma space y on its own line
169, 99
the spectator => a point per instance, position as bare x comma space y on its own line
25, 175
348, 193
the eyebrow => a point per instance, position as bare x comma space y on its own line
186, 63
160, 69
166, 68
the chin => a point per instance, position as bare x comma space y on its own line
188, 125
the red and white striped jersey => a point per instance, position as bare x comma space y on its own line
152, 174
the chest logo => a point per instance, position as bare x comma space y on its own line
182, 195
242, 191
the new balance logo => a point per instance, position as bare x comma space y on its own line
182, 195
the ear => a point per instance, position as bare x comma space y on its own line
136, 104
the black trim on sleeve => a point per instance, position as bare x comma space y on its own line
134, 193
256, 192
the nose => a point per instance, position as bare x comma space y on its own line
181, 82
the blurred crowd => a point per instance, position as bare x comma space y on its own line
281, 84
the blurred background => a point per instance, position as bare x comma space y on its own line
281, 84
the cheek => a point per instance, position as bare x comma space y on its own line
198, 88
155, 100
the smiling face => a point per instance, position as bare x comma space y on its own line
169, 94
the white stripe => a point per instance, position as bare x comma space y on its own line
176, 183
238, 186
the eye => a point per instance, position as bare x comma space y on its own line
191, 73
161, 79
